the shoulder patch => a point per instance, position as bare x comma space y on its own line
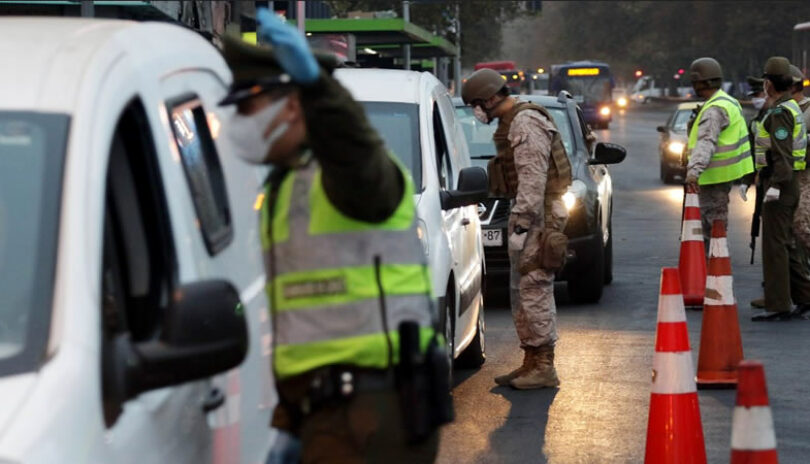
776, 110
781, 133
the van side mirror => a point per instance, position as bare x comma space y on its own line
203, 333
661, 129
473, 187
608, 153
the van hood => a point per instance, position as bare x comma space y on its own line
13, 391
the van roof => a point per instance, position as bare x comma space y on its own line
387, 85
53, 59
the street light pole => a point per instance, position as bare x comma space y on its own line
457, 59
300, 16
406, 15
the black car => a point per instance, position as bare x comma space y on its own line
589, 200
673, 143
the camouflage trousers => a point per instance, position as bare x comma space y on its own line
713, 205
532, 295
801, 218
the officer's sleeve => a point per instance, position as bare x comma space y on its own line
358, 175
711, 123
780, 127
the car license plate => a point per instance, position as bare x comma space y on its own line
492, 237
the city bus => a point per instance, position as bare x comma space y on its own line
591, 84
801, 47
509, 72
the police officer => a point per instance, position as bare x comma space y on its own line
532, 169
783, 134
345, 266
801, 220
718, 149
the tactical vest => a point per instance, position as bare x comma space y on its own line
799, 135
502, 171
331, 278
731, 159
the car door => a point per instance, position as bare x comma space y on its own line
215, 196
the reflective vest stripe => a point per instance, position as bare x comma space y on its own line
731, 159
369, 351
316, 288
353, 319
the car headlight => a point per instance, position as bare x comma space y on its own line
622, 102
421, 232
575, 192
676, 148
604, 111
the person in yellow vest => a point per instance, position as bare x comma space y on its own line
532, 169
360, 374
718, 148
780, 154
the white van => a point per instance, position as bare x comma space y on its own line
131, 277
413, 113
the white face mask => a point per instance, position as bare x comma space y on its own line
758, 102
481, 115
246, 133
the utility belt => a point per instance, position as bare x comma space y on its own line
421, 380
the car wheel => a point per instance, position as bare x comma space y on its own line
587, 287
666, 173
475, 354
609, 254
448, 325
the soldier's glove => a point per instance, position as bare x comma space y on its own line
290, 47
772, 194
517, 240
691, 182
743, 191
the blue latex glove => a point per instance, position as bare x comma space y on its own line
291, 48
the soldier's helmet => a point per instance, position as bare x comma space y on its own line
777, 66
705, 69
481, 85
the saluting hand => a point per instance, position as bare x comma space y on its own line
290, 46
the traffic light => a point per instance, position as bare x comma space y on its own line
681, 71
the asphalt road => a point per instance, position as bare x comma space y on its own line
604, 355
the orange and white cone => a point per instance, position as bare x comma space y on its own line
225, 423
674, 430
720, 342
753, 440
692, 261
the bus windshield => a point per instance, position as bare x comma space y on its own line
589, 85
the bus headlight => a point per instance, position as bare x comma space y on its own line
676, 148
575, 192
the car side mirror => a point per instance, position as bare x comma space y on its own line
473, 187
203, 333
661, 129
608, 153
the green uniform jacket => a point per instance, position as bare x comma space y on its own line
780, 156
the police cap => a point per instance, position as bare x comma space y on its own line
756, 84
796, 74
777, 66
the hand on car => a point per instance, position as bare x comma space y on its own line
290, 47
772, 194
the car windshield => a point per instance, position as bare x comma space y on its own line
680, 120
32, 147
398, 125
479, 136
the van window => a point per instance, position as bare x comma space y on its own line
203, 172
398, 125
445, 169
139, 265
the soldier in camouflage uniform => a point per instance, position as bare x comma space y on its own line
531, 168
714, 166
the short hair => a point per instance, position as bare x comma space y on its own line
780, 83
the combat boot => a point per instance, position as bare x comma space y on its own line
541, 372
503, 380
758, 303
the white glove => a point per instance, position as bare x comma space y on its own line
772, 194
517, 241
744, 192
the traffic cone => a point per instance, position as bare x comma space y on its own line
674, 430
720, 343
753, 440
692, 262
